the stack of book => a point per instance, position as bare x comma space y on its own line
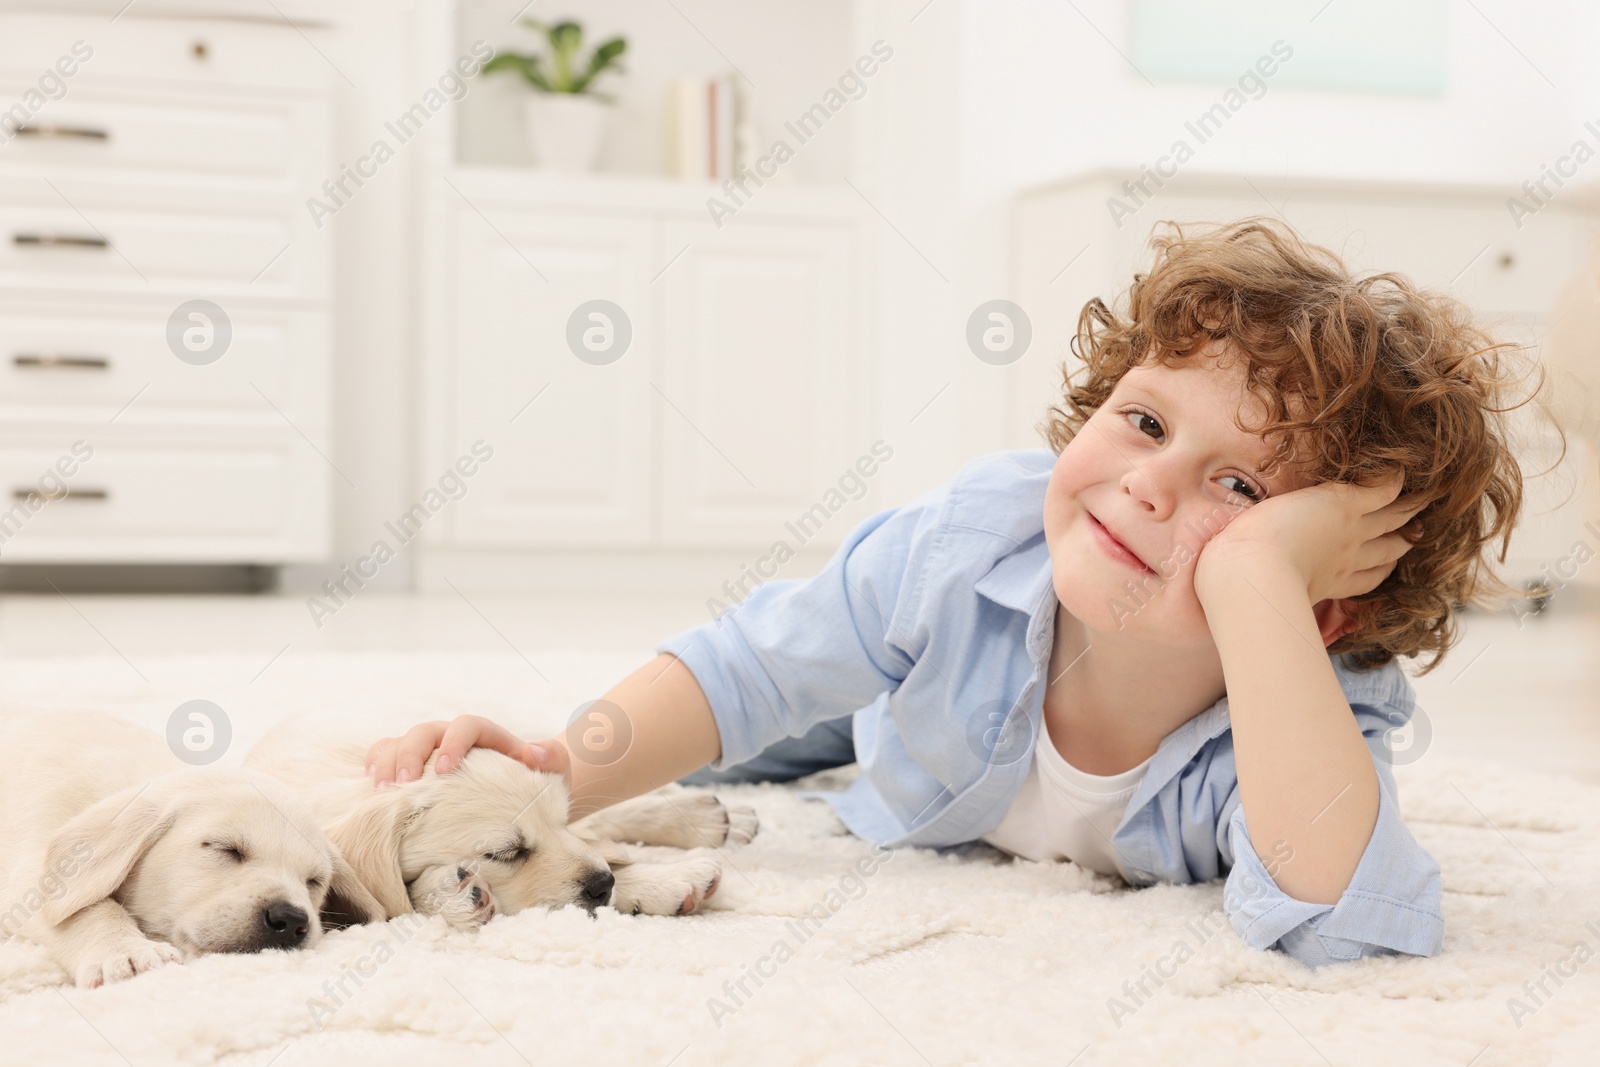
709, 131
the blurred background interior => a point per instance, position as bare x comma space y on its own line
320, 331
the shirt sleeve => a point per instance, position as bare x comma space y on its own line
1391, 904
797, 652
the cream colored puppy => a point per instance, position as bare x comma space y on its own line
119, 858
492, 836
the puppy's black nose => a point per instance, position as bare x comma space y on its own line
597, 889
286, 924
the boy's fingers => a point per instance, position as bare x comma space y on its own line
549, 755
474, 731
414, 749
380, 760
552, 757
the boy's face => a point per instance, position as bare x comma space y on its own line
1163, 468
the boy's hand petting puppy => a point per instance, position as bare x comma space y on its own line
1341, 539
400, 759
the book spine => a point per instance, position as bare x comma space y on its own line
712, 132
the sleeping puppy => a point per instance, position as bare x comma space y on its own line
492, 836
119, 858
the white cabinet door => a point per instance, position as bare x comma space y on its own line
761, 394
571, 437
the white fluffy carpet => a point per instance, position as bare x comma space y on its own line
960, 958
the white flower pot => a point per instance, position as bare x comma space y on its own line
564, 130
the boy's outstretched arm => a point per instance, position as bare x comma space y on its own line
666, 731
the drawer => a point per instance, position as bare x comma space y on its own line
89, 362
221, 55
85, 244
132, 501
99, 129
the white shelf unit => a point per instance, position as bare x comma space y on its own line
740, 399
751, 383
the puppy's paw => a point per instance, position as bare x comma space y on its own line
742, 824
133, 957
716, 823
459, 894
676, 888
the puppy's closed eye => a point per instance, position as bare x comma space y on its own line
233, 852
516, 854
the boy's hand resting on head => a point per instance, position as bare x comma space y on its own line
1341, 539
400, 759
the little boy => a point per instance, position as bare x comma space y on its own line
1166, 647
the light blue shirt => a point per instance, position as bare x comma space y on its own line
931, 626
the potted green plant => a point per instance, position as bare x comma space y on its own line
565, 117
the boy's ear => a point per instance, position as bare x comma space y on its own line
1335, 618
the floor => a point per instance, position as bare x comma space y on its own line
1525, 693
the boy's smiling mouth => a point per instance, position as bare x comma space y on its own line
1113, 547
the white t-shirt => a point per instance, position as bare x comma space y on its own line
1062, 813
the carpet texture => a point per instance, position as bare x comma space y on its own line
916, 957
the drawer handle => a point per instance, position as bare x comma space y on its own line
52, 359
84, 133
60, 494
59, 240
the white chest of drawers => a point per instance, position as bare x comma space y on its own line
146, 165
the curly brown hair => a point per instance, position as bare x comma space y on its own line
1360, 377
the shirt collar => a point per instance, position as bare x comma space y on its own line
1019, 579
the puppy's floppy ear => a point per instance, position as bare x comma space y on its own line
92, 854
369, 840
349, 902
613, 852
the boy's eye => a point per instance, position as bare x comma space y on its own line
1246, 490
1140, 418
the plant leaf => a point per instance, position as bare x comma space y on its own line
604, 57
527, 66
566, 37
535, 76
504, 61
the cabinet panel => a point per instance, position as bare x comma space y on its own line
572, 467
114, 129
202, 499
90, 359
761, 386
53, 245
